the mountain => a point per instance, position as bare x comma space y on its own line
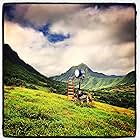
17, 72
88, 72
95, 80
130, 78
114, 90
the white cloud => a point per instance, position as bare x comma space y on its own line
95, 40
100, 38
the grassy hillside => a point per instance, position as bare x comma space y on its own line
17, 72
130, 78
122, 95
29, 112
97, 83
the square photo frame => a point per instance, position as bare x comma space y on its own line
69, 70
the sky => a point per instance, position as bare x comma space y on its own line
54, 37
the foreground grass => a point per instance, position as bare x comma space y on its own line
30, 112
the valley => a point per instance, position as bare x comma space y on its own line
122, 95
95, 80
36, 105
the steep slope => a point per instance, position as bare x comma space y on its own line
11, 55
88, 72
16, 68
96, 83
130, 78
17, 72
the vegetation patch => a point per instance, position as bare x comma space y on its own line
29, 112
123, 96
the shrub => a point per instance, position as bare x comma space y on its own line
31, 86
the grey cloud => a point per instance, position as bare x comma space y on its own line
127, 31
39, 14
117, 24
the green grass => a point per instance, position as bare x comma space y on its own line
29, 112
15, 74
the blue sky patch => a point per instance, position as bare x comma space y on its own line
10, 14
52, 37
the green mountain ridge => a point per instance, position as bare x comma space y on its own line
130, 78
31, 112
17, 72
95, 80
65, 76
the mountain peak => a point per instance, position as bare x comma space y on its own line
88, 73
82, 64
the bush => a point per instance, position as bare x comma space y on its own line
31, 86
15, 81
113, 97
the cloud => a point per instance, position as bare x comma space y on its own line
100, 38
107, 24
34, 48
38, 14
